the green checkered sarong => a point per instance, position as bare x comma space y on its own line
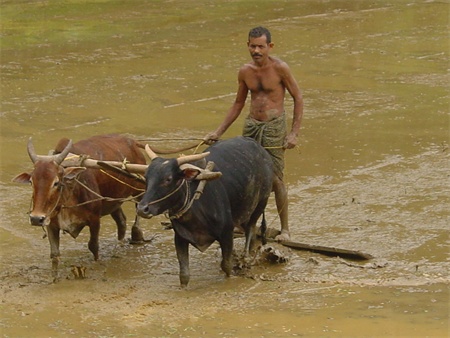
271, 135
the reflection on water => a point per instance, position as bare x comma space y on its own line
369, 174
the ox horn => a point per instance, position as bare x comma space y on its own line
57, 158
191, 158
150, 152
61, 156
31, 151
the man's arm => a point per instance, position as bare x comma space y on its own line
292, 87
234, 111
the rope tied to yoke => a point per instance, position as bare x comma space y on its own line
120, 181
187, 204
81, 158
103, 198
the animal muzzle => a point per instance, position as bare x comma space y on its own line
144, 211
38, 220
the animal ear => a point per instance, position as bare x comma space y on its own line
71, 173
190, 173
22, 178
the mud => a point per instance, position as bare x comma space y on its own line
134, 290
371, 172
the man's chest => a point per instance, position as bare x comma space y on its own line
263, 81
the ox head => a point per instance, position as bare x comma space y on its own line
47, 179
164, 179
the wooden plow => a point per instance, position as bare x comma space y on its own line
326, 250
320, 249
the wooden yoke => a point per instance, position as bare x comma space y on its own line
201, 185
73, 160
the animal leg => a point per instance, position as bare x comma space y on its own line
121, 221
250, 229
250, 235
53, 238
137, 236
93, 240
182, 248
226, 245
264, 229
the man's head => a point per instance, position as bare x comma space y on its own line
258, 32
259, 44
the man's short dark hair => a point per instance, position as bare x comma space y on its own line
258, 32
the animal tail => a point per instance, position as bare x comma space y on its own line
263, 229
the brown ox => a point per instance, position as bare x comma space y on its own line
71, 198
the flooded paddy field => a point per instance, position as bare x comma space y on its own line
371, 172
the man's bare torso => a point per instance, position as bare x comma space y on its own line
266, 89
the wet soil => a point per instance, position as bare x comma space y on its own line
134, 290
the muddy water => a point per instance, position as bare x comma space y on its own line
371, 172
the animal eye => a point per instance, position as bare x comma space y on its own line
56, 184
167, 180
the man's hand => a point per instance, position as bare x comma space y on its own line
211, 138
290, 141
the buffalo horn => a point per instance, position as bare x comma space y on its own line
191, 158
180, 160
150, 152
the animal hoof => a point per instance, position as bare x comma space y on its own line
141, 241
137, 236
79, 272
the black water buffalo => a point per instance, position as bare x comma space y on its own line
236, 199
69, 199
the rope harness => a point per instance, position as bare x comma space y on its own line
102, 198
188, 201
187, 204
122, 182
99, 197
60, 187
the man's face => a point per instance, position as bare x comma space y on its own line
259, 48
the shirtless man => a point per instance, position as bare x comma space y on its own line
267, 79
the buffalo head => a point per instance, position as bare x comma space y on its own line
165, 180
